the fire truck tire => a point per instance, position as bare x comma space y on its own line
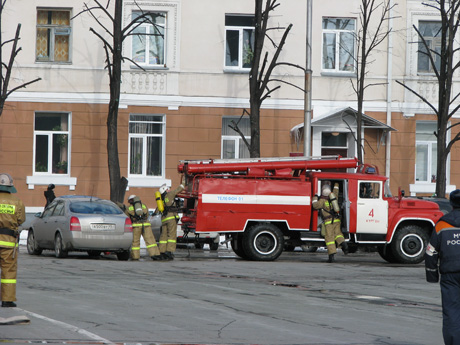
237, 245
263, 242
386, 253
409, 244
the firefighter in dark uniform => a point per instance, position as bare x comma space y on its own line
12, 214
169, 220
139, 215
329, 211
443, 255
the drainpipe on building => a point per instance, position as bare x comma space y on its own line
389, 90
307, 99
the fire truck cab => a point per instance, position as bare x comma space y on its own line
264, 205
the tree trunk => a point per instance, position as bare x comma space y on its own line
112, 118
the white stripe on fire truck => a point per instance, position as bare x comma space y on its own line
255, 199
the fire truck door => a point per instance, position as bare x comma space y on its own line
372, 209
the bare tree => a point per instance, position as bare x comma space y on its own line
114, 59
444, 63
262, 68
7, 67
368, 39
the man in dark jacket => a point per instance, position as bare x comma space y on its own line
443, 255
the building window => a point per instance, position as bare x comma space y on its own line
233, 145
431, 33
426, 152
149, 40
146, 145
338, 45
53, 36
51, 136
239, 42
334, 143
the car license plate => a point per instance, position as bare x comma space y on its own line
102, 227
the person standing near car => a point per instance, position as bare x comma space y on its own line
443, 256
49, 194
169, 219
138, 213
12, 214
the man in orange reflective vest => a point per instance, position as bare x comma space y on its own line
169, 219
12, 214
139, 213
329, 210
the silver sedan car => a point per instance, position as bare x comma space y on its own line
81, 223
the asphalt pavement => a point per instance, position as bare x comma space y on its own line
213, 297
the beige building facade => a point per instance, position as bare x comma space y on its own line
194, 82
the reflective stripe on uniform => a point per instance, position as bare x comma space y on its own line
8, 244
140, 224
135, 248
152, 245
163, 242
329, 243
164, 220
172, 241
8, 281
338, 236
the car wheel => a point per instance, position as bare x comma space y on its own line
123, 256
94, 253
409, 244
32, 247
237, 245
59, 250
213, 245
308, 249
263, 242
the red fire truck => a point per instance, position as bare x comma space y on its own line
263, 205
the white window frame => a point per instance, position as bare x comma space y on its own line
429, 144
237, 140
240, 30
434, 43
149, 27
428, 186
337, 33
54, 30
49, 134
144, 180
44, 178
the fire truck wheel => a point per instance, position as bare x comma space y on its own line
237, 245
409, 243
386, 253
263, 242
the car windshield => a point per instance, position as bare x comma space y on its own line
91, 207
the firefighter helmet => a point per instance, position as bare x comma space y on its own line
455, 198
326, 190
131, 197
163, 188
6, 183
